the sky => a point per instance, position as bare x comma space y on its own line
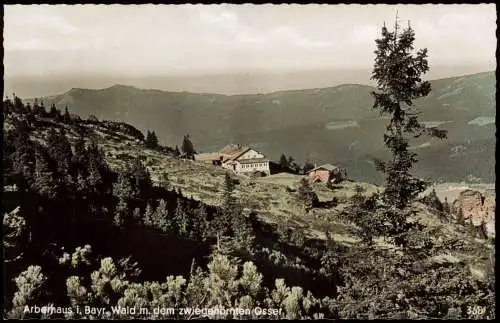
156, 40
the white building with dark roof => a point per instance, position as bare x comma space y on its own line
240, 159
247, 161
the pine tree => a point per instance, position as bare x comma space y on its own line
292, 166
188, 148
80, 158
15, 235
142, 180
38, 110
23, 158
95, 154
63, 153
199, 224
307, 195
18, 105
97, 166
151, 140
45, 183
446, 206
284, 166
66, 116
223, 220
53, 111
181, 218
123, 191
162, 219
398, 72
30, 289
94, 178
148, 216
228, 199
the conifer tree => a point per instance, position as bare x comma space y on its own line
23, 158
228, 199
45, 183
15, 235
188, 148
141, 178
53, 111
307, 195
62, 153
162, 219
398, 70
446, 206
80, 158
223, 222
148, 216
96, 165
123, 191
283, 163
30, 285
66, 116
38, 110
151, 140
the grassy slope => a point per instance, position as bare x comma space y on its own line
272, 197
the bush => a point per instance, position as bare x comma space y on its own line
306, 194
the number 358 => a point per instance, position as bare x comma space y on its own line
476, 310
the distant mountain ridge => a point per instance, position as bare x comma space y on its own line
334, 124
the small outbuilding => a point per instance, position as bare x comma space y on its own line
327, 172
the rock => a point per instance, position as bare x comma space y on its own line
476, 208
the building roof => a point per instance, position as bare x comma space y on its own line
328, 167
207, 156
253, 160
231, 149
239, 154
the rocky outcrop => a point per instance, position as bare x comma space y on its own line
476, 208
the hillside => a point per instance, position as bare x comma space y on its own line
136, 216
272, 197
307, 124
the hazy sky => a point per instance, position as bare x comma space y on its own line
169, 39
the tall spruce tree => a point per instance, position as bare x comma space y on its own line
398, 70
